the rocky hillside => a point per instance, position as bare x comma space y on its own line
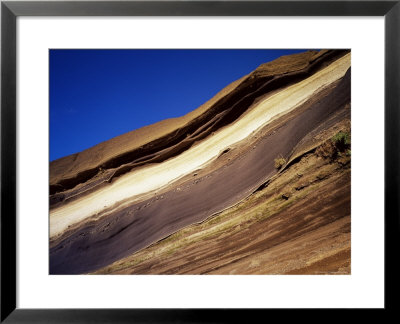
256, 180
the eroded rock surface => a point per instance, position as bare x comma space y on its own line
124, 197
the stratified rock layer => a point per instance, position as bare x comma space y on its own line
123, 195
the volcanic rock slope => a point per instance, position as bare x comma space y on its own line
256, 180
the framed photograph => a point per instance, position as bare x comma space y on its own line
197, 161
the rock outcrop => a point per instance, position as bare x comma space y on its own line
124, 197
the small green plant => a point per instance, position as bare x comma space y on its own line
342, 141
280, 162
341, 137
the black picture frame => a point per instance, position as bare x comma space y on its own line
10, 10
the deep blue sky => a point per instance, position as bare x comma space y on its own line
96, 95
